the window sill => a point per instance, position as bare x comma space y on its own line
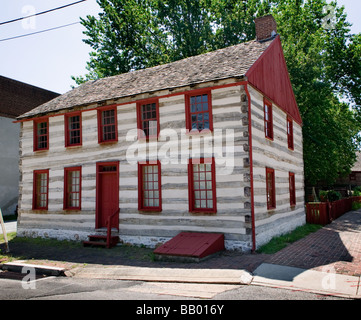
149, 211
108, 142
199, 133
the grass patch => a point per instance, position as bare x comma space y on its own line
278, 243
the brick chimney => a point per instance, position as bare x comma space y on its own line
266, 28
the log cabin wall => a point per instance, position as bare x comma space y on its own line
229, 108
275, 154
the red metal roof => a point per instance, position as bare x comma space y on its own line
269, 75
192, 244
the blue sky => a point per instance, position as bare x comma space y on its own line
49, 59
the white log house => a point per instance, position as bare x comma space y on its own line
211, 143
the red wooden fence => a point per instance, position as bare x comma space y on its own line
325, 212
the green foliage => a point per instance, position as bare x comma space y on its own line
323, 59
357, 191
278, 243
330, 195
356, 205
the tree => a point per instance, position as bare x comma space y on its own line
323, 59
324, 65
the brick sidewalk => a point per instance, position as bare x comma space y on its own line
335, 248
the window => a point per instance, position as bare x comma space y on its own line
72, 188
268, 120
41, 135
199, 112
292, 189
202, 186
149, 178
148, 119
290, 133
40, 189
107, 125
73, 130
270, 189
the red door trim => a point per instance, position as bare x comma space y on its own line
99, 165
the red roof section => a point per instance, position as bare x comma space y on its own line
269, 75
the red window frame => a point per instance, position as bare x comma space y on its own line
268, 119
107, 124
41, 136
148, 111
290, 133
199, 111
72, 189
292, 183
73, 130
40, 189
202, 185
270, 189
149, 184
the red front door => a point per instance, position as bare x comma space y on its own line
107, 201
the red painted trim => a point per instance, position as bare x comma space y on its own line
35, 173
99, 165
66, 181
187, 97
66, 128
272, 192
195, 91
141, 134
290, 138
250, 146
100, 125
268, 124
262, 75
141, 207
35, 134
191, 190
292, 187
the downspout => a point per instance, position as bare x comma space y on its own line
251, 168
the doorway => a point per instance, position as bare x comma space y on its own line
107, 194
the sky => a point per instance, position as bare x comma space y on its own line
49, 59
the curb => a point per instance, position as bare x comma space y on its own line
39, 269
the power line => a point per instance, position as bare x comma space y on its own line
37, 14
30, 34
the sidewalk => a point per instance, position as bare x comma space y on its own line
325, 262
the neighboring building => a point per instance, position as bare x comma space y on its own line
349, 182
16, 98
219, 149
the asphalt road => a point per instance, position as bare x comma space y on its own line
63, 288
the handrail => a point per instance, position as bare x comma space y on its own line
109, 226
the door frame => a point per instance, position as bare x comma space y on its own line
99, 165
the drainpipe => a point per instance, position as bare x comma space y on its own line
251, 168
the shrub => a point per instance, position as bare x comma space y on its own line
330, 195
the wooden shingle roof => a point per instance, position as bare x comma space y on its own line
225, 63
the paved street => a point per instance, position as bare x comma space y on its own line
63, 288
320, 266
